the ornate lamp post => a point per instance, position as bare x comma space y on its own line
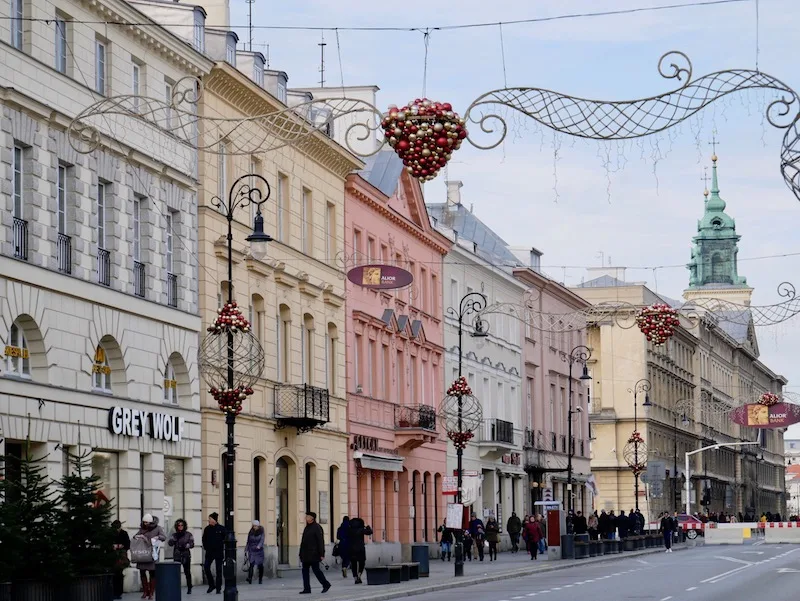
231, 358
579, 354
636, 446
460, 411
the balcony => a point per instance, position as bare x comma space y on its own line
497, 437
553, 441
414, 426
64, 253
20, 239
302, 406
172, 290
139, 276
529, 442
103, 267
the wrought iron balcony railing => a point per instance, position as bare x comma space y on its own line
172, 290
530, 439
103, 267
139, 278
20, 239
303, 406
415, 416
64, 253
501, 431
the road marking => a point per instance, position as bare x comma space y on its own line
753, 552
691, 588
643, 562
520, 597
735, 560
666, 598
788, 571
568, 585
756, 544
532, 594
718, 577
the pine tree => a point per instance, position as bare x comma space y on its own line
30, 543
85, 524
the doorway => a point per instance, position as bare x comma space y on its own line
282, 509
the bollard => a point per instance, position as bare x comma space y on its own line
567, 550
420, 555
168, 581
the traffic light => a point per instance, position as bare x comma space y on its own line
706, 497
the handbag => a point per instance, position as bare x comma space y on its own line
246, 564
141, 550
335, 552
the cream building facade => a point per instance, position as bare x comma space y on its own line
98, 291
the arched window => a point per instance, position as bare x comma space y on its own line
101, 371
283, 327
170, 384
17, 353
330, 358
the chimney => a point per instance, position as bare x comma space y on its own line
454, 193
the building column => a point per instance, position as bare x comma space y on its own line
391, 499
378, 518
405, 524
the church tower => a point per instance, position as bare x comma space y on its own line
713, 266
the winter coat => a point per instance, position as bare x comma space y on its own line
667, 525
447, 534
152, 532
623, 525
122, 538
255, 546
592, 522
476, 525
358, 530
514, 525
312, 544
182, 543
214, 540
492, 532
579, 524
533, 532
343, 535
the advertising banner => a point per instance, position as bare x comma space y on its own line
756, 415
380, 277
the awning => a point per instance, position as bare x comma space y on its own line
383, 463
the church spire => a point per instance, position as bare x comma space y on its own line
715, 202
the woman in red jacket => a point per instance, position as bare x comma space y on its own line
533, 534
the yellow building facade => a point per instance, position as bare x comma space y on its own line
294, 299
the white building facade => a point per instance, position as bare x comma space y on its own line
98, 272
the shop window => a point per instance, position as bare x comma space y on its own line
174, 503
17, 353
101, 371
105, 466
170, 385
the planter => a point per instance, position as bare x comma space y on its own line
629, 544
640, 542
5, 591
617, 546
90, 588
581, 551
32, 590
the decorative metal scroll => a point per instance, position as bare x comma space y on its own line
765, 315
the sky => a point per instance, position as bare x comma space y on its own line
582, 203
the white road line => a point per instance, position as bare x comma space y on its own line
592, 580
691, 588
666, 598
532, 594
718, 577
568, 585
519, 597
735, 560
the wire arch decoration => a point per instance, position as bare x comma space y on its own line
764, 315
570, 115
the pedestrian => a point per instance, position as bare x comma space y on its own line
358, 549
543, 528
122, 542
580, 524
182, 542
533, 534
623, 525
214, 547
592, 526
254, 551
446, 541
613, 523
640, 521
492, 537
514, 527
478, 532
312, 551
467, 543
151, 532
666, 530
343, 542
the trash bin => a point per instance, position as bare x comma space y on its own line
168, 581
567, 547
419, 554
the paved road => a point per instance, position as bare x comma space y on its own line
707, 573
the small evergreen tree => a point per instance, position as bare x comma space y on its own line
30, 543
84, 522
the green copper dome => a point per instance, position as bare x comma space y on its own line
716, 245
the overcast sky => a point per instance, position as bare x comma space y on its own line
575, 199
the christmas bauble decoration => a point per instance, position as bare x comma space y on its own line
459, 388
424, 134
230, 399
768, 399
460, 439
658, 322
229, 318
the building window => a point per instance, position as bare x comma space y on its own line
330, 231
169, 237
199, 32
330, 359
370, 389
61, 44
230, 53
308, 212
137, 229
170, 385
357, 362
100, 65
307, 349
101, 371
173, 487
17, 353
282, 91
387, 373
222, 171
105, 466
258, 73
61, 204
16, 23
137, 83
454, 294
169, 89
101, 216
16, 183
284, 324
356, 242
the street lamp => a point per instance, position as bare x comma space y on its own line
232, 370
642, 386
579, 354
471, 303
685, 424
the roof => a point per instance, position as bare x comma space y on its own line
731, 323
383, 170
604, 281
488, 245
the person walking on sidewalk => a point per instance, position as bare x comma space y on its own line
492, 537
254, 551
579, 523
343, 540
467, 544
312, 551
592, 525
446, 541
514, 527
533, 535
478, 532
358, 549
214, 546
543, 527
666, 529
182, 543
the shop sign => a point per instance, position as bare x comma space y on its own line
512, 458
138, 423
755, 415
380, 277
450, 485
370, 443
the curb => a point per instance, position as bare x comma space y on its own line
519, 573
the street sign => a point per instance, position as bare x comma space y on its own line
547, 494
657, 489
450, 485
656, 470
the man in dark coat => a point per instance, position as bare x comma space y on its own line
214, 546
358, 549
312, 551
623, 525
579, 523
514, 527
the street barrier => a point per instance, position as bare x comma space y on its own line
725, 536
782, 532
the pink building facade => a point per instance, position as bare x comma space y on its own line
395, 362
546, 379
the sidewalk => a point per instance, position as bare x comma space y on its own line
441, 578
